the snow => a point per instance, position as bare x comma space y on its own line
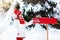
7, 31
9, 28
37, 7
38, 33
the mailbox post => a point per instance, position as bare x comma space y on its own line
45, 20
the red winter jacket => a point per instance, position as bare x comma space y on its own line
17, 12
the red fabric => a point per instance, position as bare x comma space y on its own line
22, 21
20, 18
46, 20
17, 12
20, 38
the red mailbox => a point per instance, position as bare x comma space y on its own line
45, 20
48, 20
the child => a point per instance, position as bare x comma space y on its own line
18, 13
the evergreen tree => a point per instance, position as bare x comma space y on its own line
47, 12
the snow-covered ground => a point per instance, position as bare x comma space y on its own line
38, 33
9, 29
